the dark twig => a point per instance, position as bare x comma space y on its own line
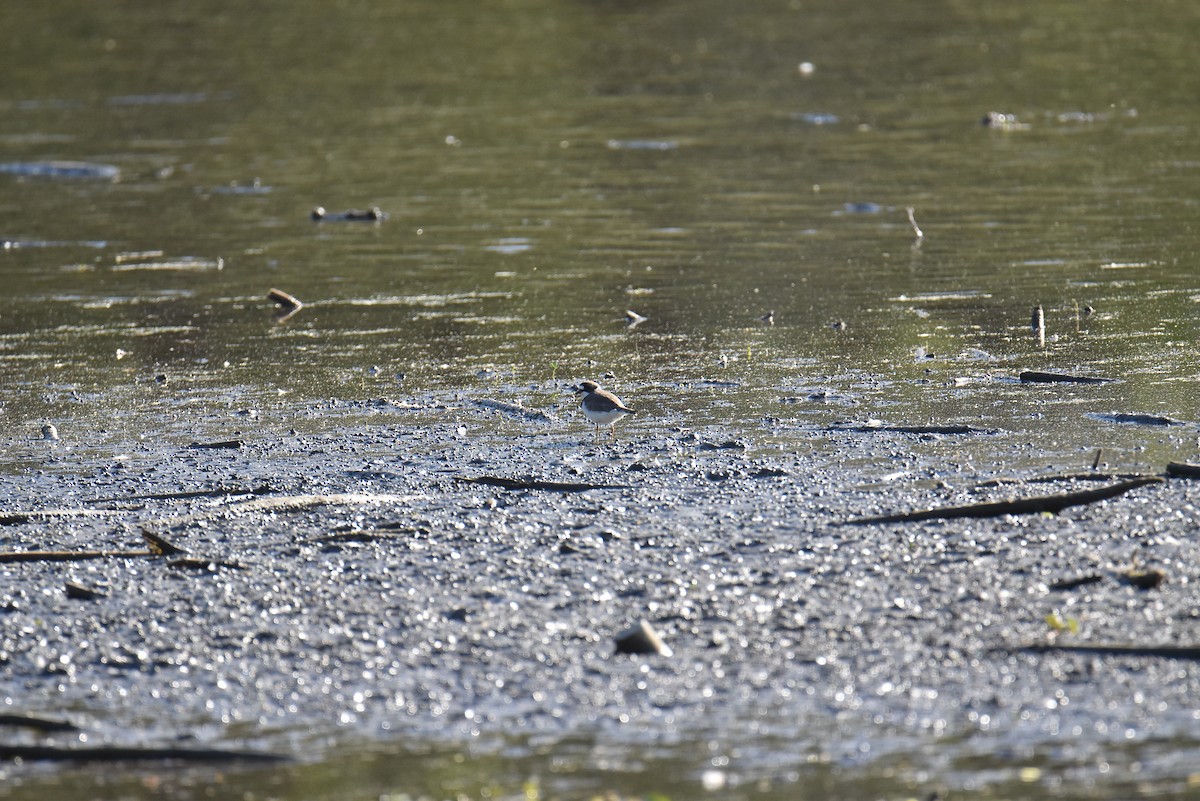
229, 444
534, 484
219, 492
1071, 584
158, 547
1036, 377
70, 556
39, 724
287, 303
123, 754
1183, 470
1022, 506
1110, 649
931, 429
1060, 478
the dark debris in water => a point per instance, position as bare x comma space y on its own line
1123, 418
373, 214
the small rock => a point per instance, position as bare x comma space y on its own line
49, 433
81, 593
641, 639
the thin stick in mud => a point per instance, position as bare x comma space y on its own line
1022, 506
1109, 649
51, 753
534, 484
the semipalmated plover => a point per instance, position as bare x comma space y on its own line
601, 406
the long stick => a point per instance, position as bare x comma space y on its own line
1164, 651
533, 484
1022, 506
121, 754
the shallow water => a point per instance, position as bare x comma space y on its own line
547, 166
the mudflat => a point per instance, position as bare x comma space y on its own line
454, 570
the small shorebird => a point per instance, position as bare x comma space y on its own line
601, 406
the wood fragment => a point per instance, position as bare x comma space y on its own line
124, 754
229, 444
36, 723
1038, 324
1037, 377
1062, 477
159, 545
1110, 649
1022, 506
1183, 470
912, 220
1075, 583
217, 492
355, 536
79, 592
210, 565
291, 503
534, 484
27, 516
70, 556
867, 428
286, 302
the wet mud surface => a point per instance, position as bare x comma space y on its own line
351, 585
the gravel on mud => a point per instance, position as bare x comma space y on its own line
388, 596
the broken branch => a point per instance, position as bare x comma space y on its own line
533, 484
1022, 506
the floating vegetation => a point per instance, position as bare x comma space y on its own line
1062, 625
